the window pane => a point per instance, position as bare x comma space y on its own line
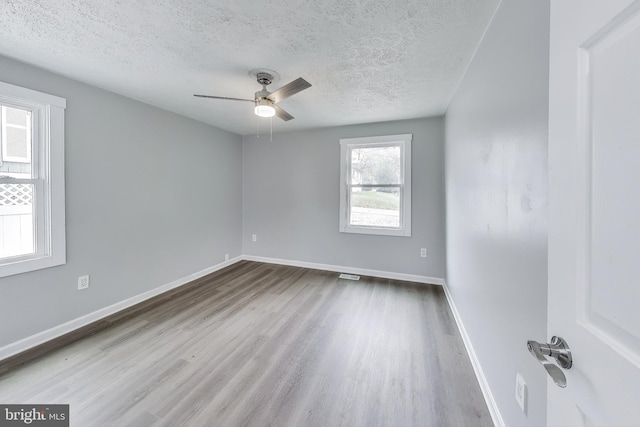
375, 165
17, 142
16, 220
375, 207
16, 116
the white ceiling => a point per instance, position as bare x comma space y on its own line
368, 61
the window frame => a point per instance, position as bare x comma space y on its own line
346, 145
47, 163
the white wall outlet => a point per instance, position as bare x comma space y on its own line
226, 257
83, 282
423, 252
521, 392
254, 237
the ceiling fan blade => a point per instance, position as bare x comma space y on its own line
287, 90
280, 113
224, 97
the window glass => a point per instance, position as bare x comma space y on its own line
16, 220
376, 165
16, 134
375, 207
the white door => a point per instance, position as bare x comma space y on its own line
594, 209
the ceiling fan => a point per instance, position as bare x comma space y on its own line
265, 101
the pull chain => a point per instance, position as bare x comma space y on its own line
270, 128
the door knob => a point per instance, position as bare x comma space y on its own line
559, 350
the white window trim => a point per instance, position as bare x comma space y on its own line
48, 163
405, 186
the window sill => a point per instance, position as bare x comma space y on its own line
33, 263
377, 231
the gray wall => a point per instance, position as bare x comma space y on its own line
496, 187
291, 200
151, 197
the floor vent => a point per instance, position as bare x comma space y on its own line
349, 276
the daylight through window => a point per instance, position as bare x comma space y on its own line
31, 180
17, 192
376, 185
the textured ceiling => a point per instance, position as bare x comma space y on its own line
368, 61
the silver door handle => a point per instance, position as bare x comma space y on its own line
559, 350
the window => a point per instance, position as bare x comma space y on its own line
32, 229
375, 185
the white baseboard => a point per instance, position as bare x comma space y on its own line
350, 270
482, 380
57, 331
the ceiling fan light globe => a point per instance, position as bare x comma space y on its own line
265, 111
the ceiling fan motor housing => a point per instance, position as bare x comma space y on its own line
262, 94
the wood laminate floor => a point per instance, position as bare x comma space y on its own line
267, 345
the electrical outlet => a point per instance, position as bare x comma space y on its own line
226, 257
423, 252
521, 392
254, 237
83, 282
